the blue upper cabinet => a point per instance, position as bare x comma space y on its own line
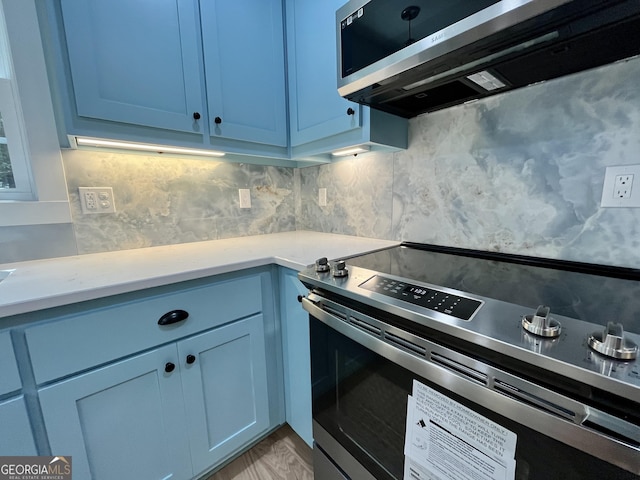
317, 110
134, 62
320, 120
207, 74
193, 73
243, 42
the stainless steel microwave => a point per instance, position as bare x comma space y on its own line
418, 56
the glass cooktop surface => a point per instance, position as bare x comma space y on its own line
596, 294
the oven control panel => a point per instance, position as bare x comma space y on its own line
444, 302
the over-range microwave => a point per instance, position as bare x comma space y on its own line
418, 56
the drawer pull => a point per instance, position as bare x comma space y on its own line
174, 316
169, 367
191, 359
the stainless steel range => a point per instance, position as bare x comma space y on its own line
439, 363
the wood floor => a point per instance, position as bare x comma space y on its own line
283, 455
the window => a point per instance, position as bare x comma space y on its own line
31, 158
15, 178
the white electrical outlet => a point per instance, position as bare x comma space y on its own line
97, 200
621, 186
245, 197
322, 197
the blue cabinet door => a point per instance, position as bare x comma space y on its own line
316, 109
135, 61
225, 385
10, 379
296, 353
15, 429
123, 421
243, 43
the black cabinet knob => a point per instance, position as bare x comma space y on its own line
300, 297
174, 316
191, 359
350, 111
217, 120
196, 115
169, 367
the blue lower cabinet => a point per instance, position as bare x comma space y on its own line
297, 360
10, 379
15, 430
124, 421
171, 413
224, 378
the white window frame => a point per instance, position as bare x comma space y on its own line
48, 201
15, 141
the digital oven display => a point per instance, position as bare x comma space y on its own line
436, 300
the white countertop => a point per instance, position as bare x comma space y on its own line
40, 284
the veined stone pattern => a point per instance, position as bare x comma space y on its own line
162, 201
520, 172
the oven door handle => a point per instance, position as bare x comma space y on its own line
623, 451
310, 304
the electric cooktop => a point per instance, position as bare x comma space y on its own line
593, 293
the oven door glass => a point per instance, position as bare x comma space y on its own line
360, 399
383, 27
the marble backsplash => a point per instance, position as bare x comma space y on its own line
520, 172
162, 201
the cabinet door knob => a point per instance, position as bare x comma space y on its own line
173, 316
191, 359
350, 111
196, 115
169, 367
217, 120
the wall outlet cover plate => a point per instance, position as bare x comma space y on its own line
244, 195
611, 193
96, 200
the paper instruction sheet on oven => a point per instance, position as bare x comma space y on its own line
445, 440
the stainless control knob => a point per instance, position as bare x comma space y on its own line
322, 265
611, 342
340, 269
541, 323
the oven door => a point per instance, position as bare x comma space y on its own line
361, 386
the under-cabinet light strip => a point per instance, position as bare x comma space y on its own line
351, 151
145, 147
